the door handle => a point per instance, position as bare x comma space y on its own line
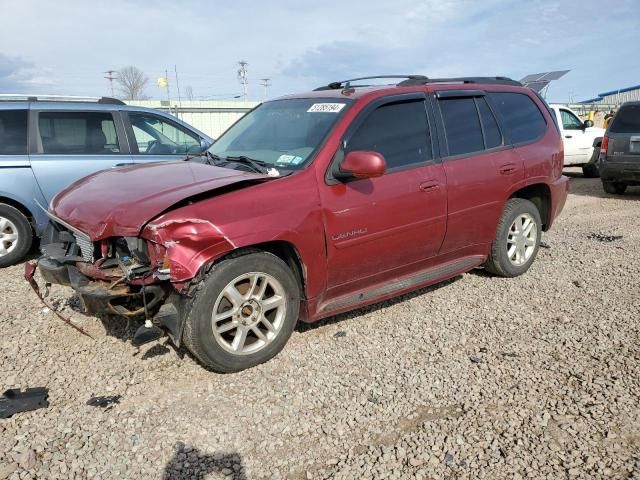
508, 169
429, 186
122, 165
568, 136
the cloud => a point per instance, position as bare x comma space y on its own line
301, 45
14, 73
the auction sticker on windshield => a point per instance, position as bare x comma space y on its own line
326, 107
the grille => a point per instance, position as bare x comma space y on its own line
86, 246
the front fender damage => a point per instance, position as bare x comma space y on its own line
183, 246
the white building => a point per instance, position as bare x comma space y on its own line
616, 97
210, 116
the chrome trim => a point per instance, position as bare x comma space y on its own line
62, 222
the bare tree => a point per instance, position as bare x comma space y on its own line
131, 83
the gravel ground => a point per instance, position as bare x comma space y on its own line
479, 377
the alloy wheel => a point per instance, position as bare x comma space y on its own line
249, 313
8, 236
521, 239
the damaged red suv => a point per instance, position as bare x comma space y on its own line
312, 205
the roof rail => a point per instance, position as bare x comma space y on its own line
20, 97
483, 80
347, 83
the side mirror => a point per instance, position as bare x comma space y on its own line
204, 144
361, 164
588, 123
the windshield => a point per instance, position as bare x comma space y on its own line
281, 133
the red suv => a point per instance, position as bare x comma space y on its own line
312, 205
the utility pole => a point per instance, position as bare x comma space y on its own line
175, 68
243, 78
111, 77
266, 83
166, 76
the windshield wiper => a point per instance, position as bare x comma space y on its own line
256, 165
212, 157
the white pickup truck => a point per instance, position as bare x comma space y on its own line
581, 140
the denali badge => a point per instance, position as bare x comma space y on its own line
352, 233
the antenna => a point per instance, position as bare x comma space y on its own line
243, 78
266, 83
111, 77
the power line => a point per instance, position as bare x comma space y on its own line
111, 77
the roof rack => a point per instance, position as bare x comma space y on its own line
483, 80
410, 80
20, 97
347, 83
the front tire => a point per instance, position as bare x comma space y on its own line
615, 188
243, 312
517, 239
16, 235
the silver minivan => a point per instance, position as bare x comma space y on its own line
48, 142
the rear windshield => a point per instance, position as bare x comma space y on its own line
627, 120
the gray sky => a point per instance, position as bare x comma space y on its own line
65, 46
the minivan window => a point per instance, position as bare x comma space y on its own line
492, 136
13, 132
521, 116
67, 133
398, 131
627, 120
462, 125
156, 136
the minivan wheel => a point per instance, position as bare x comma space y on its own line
243, 312
517, 239
16, 235
615, 188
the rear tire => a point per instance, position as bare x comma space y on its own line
590, 170
242, 313
517, 239
16, 235
615, 188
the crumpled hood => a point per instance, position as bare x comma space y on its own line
120, 201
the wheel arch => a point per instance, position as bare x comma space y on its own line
20, 207
540, 195
284, 250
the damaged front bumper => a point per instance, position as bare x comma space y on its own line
109, 287
101, 296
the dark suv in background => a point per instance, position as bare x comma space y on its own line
620, 152
48, 142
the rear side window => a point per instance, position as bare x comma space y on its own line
462, 125
627, 120
69, 133
13, 132
521, 116
492, 136
398, 131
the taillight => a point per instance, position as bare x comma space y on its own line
603, 147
